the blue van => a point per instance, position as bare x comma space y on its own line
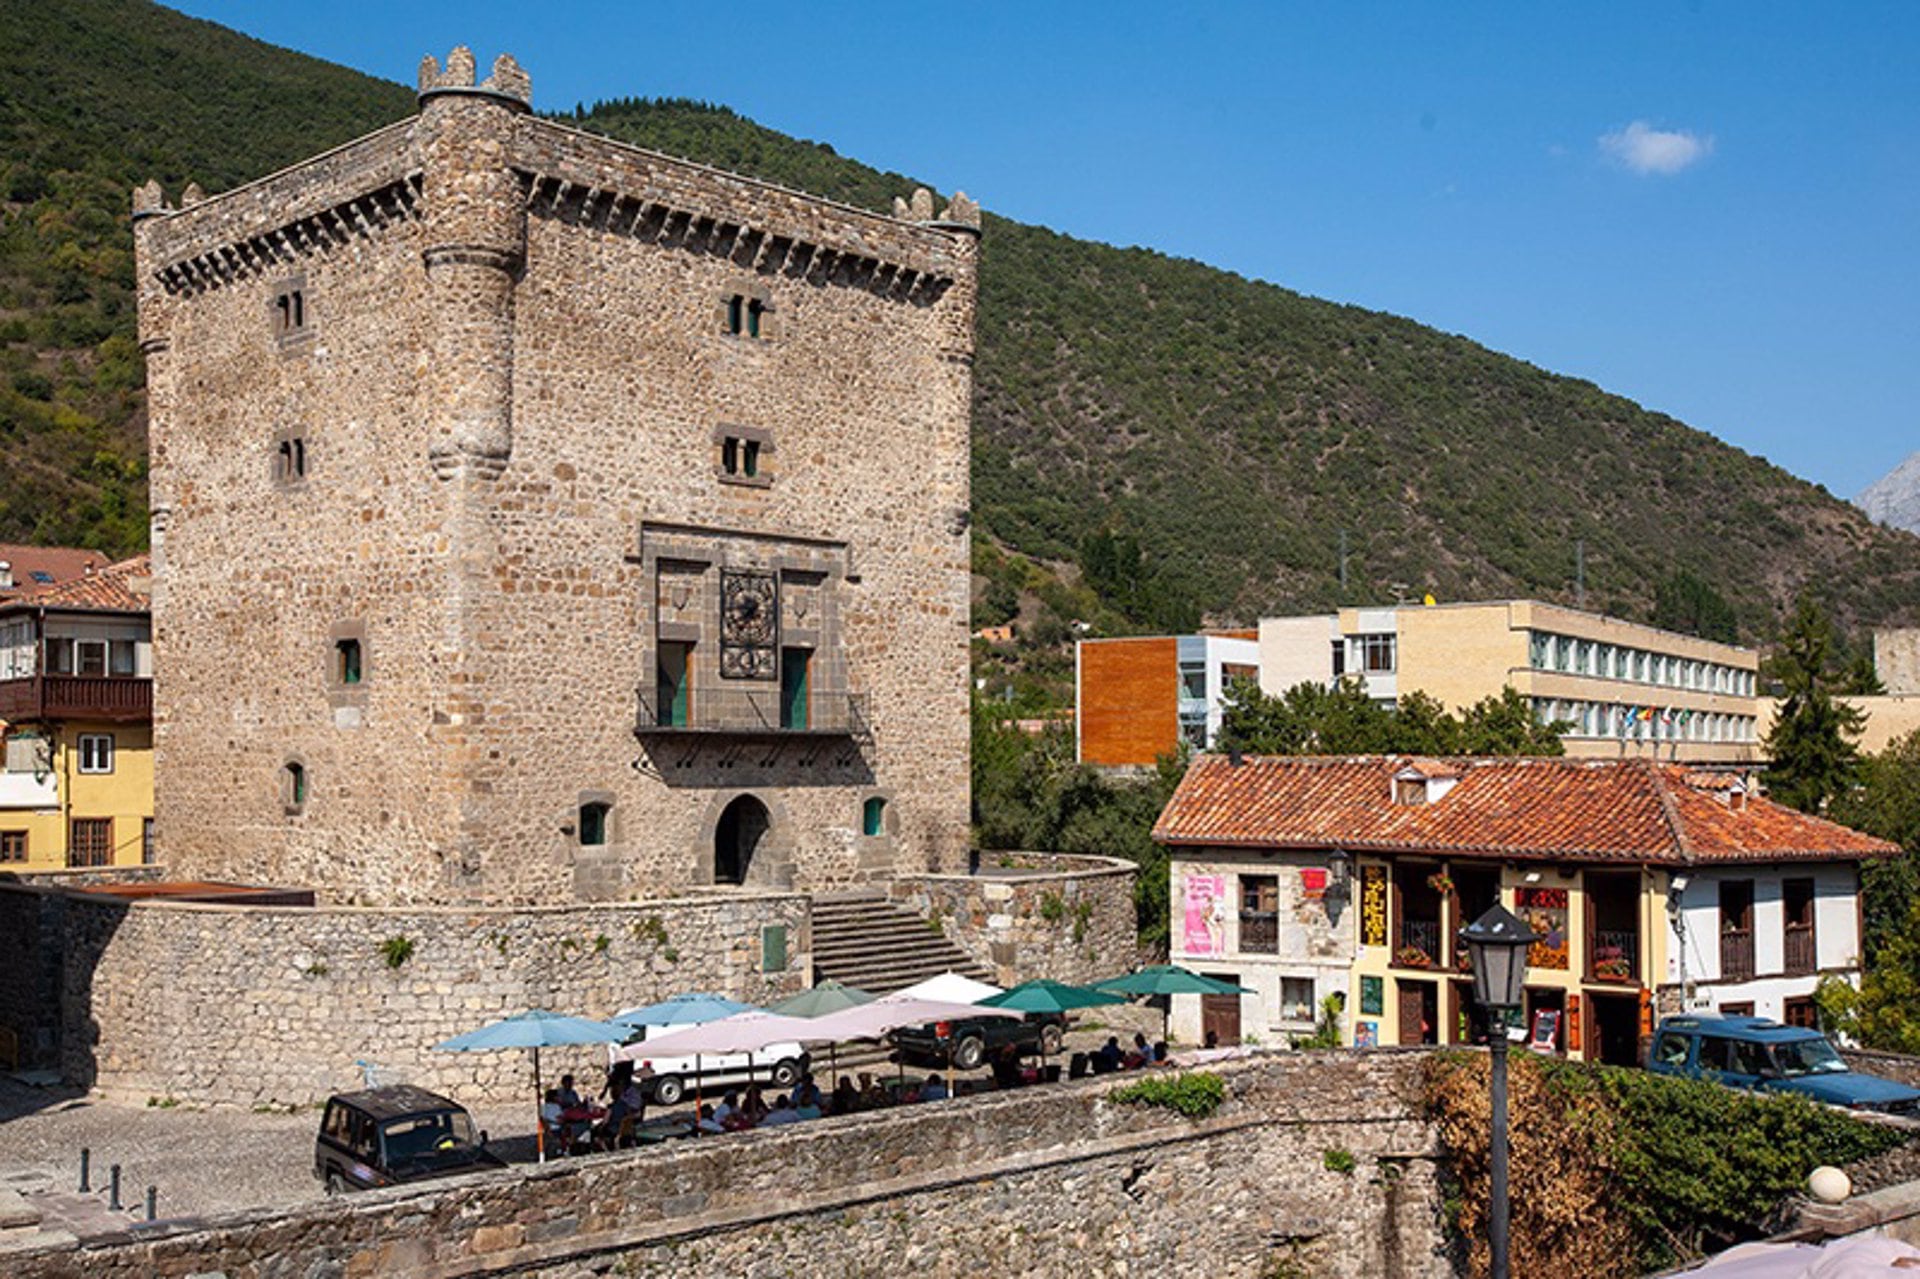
1760, 1054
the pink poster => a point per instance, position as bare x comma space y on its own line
1205, 901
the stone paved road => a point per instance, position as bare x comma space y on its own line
202, 1161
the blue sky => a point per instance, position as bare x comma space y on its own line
1710, 207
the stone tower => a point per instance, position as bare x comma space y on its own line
541, 519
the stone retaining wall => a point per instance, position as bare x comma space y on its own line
255, 1005
1043, 1181
1895, 1066
1026, 915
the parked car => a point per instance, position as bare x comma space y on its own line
385, 1136
674, 1077
966, 1043
1760, 1054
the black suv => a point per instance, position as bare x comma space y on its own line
965, 1043
384, 1136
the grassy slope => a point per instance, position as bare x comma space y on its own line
1233, 426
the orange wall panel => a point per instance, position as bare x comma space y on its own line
1129, 708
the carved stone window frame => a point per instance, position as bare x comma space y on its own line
290, 458
763, 325
290, 313
339, 692
762, 441
295, 780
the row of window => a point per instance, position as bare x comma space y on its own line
1643, 723
90, 657
30, 753
744, 315
673, 686
1366, 654
89, 842
1575, 656
742, 457
596, 820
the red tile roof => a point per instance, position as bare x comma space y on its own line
125, 587
1540, 809
57, 563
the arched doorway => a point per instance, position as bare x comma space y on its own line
736, 837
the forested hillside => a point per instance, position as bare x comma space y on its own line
1227, 429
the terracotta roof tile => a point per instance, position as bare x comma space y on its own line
1543, 809
125, 587
34, 568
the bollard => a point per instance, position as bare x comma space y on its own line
113, 1196
153, 1197
86, 1171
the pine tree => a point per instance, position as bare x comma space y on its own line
1812, 739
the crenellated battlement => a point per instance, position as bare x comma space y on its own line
509, 80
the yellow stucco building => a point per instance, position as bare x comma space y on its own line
1626, 690
76, 711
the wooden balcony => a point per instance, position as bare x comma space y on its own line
113, 699
1736, 954
1800, 957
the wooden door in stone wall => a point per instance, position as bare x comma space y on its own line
1220, 1015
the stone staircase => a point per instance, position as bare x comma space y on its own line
861, 939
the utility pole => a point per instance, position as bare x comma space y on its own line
1343, 565
1580, 573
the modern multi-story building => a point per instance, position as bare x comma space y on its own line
76, 681
538, 518
1654, 887
1624, 688
1138, 698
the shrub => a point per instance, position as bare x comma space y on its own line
1621, 1172
1339, 1160
396, 950
1196, 1094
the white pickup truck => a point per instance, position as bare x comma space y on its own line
673, 1077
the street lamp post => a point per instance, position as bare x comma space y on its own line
1497, 943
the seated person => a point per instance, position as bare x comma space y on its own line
1106, 1058
807, 1094
933, 1089
705, 1123
569, 1095
1213, 1039
552, 1120
1160, 1052
754, 1106
729, 1107
846, 1098
782, 1113
1139, 1055
1006, 1066
872, 1095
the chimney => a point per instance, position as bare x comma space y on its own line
6, 575
1233, 756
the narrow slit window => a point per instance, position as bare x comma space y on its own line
293, 787
873, 816
755, 309
347, 667
736, 314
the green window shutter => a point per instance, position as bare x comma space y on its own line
793, 688
873, 816
773, 948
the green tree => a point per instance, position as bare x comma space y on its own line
1686, 603
1811, 742
1886, 802
1317, 719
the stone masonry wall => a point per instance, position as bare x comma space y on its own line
1052, 1181
512, 383
252, 1005
1028, 915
